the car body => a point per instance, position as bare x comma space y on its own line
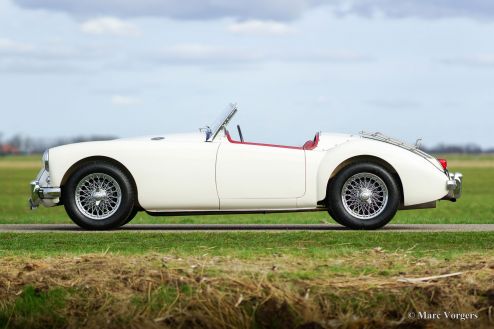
209, 172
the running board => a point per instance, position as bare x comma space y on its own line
230, 212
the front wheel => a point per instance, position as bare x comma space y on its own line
363, 196
99, 196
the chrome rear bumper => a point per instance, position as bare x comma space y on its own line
454, 186
49, 196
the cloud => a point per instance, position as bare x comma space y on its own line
480, 60
322, 100
36, 66
258, 27
27, 58
326, 55
47, 51
394, 104
110, 26
205, 54
428, 9
8, 46
178, 9
124, 101
46, 58
266, 9
202, 54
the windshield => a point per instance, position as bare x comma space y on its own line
222, 121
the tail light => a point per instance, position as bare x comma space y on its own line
443, 163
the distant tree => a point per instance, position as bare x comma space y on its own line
16, 141
459, 149
29, 145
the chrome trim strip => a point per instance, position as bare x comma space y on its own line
386, 139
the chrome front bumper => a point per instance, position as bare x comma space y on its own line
454, 186
41, 192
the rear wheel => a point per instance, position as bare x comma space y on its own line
363, 196
99, 196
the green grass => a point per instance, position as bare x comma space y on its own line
476, 205
35, 309
466, 157
248, 245
22, 158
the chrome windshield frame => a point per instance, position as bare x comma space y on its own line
223, 121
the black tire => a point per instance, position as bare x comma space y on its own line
349, 219
119, 215
331, 212
333, 216
131, 216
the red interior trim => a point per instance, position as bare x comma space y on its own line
309, 145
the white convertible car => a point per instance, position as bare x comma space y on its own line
361, 180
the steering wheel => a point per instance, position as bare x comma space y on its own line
240, 134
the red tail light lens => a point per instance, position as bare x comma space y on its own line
443, 163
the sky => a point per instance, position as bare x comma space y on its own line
411, 69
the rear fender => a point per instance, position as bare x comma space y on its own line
422, 182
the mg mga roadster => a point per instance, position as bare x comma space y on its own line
361, 180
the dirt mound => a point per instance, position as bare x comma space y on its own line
157, 291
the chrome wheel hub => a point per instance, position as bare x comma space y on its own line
98, 196
364, 195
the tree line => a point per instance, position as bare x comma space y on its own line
22, 144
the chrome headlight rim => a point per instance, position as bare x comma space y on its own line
46, 160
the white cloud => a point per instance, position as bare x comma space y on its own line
110, 26
10, 46
479, 60
394, 104
427, 9
179, 9
44, 58
201, 53
121, 100
279, 10
327, 55
322, 100
258, 27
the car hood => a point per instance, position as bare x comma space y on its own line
179, 137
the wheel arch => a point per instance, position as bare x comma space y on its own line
93, 159
370, 159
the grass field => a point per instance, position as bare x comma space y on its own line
247, 279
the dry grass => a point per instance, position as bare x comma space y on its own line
20, 164
471, 164
167, 291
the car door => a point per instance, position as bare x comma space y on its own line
259, 176
175, 175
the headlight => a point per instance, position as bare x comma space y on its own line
46, 160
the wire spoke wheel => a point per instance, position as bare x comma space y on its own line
98, 196
364, 196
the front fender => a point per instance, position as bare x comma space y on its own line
422, 181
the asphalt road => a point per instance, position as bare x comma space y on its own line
29, 228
